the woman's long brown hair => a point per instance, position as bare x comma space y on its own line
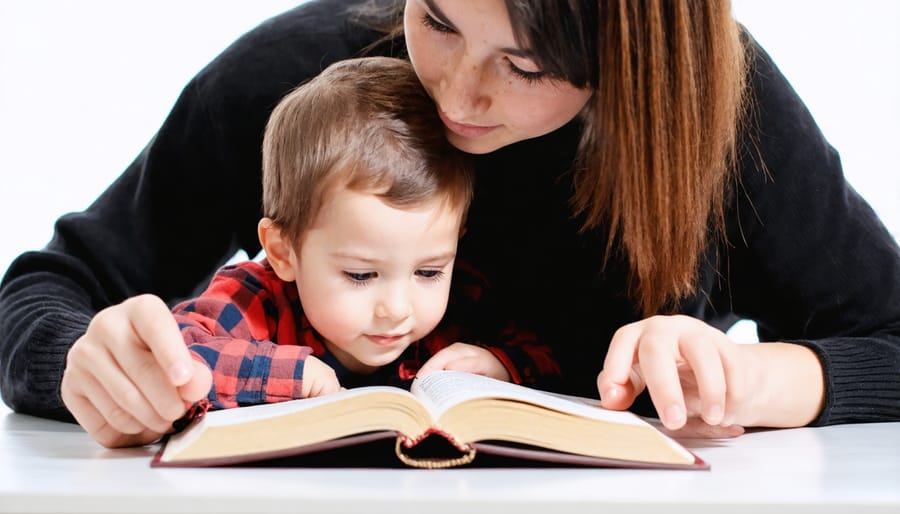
659, 142
658, 146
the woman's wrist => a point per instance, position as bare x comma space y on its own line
791, 385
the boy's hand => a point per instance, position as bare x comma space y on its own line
319, 379
466, 357
131, 375
704, 384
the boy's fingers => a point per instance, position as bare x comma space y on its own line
438, 361
318, 378
469, 364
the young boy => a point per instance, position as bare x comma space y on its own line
364, 203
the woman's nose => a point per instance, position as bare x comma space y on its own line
465, 90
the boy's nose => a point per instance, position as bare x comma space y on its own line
394, 305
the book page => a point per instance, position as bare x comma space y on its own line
442, 390
273, 410
251, 414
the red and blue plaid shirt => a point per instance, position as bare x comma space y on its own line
249, 327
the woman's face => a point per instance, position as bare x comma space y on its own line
488, 90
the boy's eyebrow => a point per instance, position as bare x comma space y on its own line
354, 257
443, 256
439, 14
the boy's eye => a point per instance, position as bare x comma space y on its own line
360, 277
435, 25
434, 274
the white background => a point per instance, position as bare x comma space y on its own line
84, 85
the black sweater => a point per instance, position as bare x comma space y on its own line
806, 257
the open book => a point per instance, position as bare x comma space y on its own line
477, 415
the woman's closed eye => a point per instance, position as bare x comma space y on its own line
527, 76
435, 25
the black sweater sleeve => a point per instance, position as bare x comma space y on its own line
188, 202
809, 259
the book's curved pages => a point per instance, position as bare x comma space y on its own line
475, 414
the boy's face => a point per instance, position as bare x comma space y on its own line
374, 278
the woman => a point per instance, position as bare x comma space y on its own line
645, 177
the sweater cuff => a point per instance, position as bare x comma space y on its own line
862, 380
49, 342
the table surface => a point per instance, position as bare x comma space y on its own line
48, 466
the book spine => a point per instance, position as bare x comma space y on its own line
409, 442
432, 463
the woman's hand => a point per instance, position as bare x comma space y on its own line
704, 384
130, 375
466, 357
319, 379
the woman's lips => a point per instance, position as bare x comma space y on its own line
470, 131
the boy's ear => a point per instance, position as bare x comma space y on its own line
279, 250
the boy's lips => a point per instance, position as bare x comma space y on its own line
385, 339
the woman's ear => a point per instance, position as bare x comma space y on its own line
279, 250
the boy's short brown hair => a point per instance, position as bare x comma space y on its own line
366, 124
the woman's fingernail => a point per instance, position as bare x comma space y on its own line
609, 394
674, 416
179, 373
733, 430
714, 414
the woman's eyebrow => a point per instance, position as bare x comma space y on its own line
441, 17
518, 52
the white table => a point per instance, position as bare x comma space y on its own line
47, 466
